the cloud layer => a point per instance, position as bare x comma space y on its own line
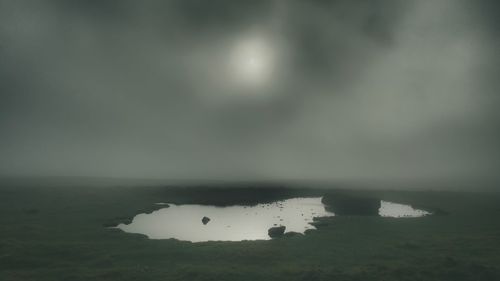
359, 89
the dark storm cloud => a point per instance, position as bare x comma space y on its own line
138, 88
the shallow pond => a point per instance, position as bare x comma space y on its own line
238, 223
395, 210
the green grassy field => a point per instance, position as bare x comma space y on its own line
57, 233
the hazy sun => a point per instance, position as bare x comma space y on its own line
252, 61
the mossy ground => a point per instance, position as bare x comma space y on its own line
57, 233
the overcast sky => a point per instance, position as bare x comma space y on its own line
250, 89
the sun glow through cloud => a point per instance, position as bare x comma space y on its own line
253, 61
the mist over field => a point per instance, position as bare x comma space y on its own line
243, 140
261, 90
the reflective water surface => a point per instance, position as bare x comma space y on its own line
389, 209
238, 223
234, 223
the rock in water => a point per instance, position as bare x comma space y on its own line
275, 232
205, 220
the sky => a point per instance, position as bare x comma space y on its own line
224, 89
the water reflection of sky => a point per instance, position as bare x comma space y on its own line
237, 223
389, 209
234, 223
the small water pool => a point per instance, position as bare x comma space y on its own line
199, 223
